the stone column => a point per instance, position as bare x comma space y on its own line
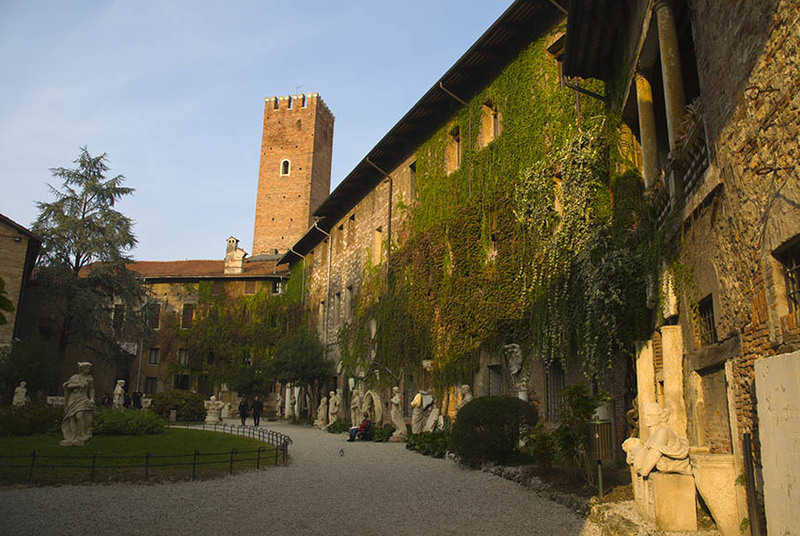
645, 381
647, 130
674, 98
672, 348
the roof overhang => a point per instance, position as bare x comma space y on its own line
593, 29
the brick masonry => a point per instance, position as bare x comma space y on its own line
12, 265
297, 129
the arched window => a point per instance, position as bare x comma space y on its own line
285, 167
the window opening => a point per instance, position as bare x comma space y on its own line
555, 391
496, 380
285, 167
155, 356
250, 287
705, 318
183, 356
187, 316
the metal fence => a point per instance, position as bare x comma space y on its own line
33, 463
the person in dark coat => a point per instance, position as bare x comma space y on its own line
136, 398
243, 410
257, 408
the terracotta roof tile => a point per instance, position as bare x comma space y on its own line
201, 268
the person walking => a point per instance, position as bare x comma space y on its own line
257, 408
243, 410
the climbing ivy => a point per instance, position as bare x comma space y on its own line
535, 239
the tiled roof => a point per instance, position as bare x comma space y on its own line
203, 268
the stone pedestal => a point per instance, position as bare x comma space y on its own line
715, 477
666, 499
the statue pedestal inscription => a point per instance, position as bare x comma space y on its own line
668, 500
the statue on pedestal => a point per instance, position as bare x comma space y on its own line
513, 355
78, 406
664, 451
119, 394
355, 405
397, 414
333, 408
322, 414
279, 405
20, 395
213, 410
421, 405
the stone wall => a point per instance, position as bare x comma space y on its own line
12, 266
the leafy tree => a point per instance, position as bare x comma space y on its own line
82, 266
301, 360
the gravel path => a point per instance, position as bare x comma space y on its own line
373, 488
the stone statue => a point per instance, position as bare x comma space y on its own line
20, 395
422, 402
355, 405
466, 395
292, 403
322, 414
213, 410
513, 355
119, 394
664, 451
279, 405
78, 406
226, 412
397, 414
373, 405
333, 408
434, 419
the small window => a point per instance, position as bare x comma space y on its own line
705, 321
182, 381
790, 262
155, 315
155, 356
285, 167
555, 391
348, 303
277, 286
453, 155
496, 380
490, 124
150, 385
250, 287
183, 356
187, 316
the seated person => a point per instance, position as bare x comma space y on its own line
363, 427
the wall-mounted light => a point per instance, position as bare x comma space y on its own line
17, 239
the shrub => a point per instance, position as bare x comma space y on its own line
578, 408
109, 421
383, 433
28, 420
435, 443
189, 405
340, 426
541, 446
489, 428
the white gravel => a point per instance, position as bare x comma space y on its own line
373, 488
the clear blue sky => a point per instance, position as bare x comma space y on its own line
174, 92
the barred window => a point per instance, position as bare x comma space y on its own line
250, 286
496, 380
705, 320
555, 391
790, 259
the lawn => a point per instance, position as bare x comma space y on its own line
125, 458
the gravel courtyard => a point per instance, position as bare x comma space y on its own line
367, 488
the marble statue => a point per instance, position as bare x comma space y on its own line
434, 419
373, 406
213, 410
664, 451
422, 402
226, 412
119, 394
78, 406
355, 404
333, 408
292, 403
279, 405
322, 414
466, 395
513, 355
20, 395
397, 414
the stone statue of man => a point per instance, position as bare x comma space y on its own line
20, 395
333, 408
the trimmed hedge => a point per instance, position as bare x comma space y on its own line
109, 421
29, 420
489, 428
188, 404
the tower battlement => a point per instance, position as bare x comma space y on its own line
297, 102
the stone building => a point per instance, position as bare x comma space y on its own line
710, 91
466, 122
18, 250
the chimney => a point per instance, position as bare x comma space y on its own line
234, 257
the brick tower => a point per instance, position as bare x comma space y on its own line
294, 176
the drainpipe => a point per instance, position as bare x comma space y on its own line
303, 288
469, 139
389, 222
328, 285
139, 373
